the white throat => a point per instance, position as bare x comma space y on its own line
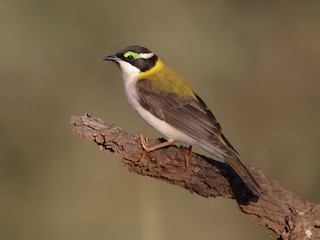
129, 76
128, 71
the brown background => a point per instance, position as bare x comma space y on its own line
255, 64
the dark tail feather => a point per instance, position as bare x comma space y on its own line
244, 174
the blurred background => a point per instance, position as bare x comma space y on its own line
256, 65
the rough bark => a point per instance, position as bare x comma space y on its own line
278, 209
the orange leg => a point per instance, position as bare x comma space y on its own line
146, 149
186, 157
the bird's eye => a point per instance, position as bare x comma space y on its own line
131, 55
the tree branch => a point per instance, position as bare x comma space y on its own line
288, 216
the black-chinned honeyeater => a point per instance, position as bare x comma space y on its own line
169, 105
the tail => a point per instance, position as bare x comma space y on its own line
244, 174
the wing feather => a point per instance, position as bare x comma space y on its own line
187, 114
191, 116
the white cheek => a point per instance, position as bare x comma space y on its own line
128, 71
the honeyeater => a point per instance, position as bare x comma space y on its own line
169, 105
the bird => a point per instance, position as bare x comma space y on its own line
166, 102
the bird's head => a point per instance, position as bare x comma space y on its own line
133, 60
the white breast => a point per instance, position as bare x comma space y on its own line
129, 75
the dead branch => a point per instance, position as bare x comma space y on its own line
278, 209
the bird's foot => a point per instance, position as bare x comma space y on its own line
144, 145
186, 155
147, 149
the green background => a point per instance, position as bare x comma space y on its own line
255, 63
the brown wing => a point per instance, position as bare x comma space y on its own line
187, 114
192, 116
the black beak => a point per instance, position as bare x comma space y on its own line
112, 58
